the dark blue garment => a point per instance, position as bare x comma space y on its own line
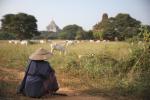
37, 72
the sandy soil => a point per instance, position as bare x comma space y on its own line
74, 95
71, 94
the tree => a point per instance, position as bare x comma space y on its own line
88, 35
22, 25
126, 25
98, 35
6, 36
72, 32
79, 35
122, 26
144, 33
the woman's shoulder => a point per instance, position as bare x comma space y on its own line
41, 62
46, 62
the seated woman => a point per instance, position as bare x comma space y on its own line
40, 77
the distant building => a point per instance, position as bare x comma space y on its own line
52, 27
99, 26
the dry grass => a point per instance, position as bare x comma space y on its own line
14, 59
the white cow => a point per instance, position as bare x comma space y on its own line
104, 41
98, 41
16, 41
49, 41
91, 41
70, 42
42, 41
10, 41
24, 42
77, 41
58, 47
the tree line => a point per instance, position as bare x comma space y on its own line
24, 26
120, 27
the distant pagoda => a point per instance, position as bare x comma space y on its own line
99, 27
52, 27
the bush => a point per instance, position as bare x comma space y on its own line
93, 67
125, 76
6, 36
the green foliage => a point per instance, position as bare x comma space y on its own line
98, 35
88, 35
127, 76
111, 66
140, 72
122, 26
72, 32
64, 35
144, 33
22, 25
79, 35
5, 36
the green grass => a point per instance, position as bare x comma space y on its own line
104, 66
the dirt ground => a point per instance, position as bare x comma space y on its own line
71, 95
74, 95
14, 76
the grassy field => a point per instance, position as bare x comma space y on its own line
93, 68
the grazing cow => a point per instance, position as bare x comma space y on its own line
70, 42
98, 41
104, 40
77, 41
16, 41
49, 41
42, 41
10, 41
34, 41
91, 41
24, 42
58, 47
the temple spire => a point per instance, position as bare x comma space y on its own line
52, 27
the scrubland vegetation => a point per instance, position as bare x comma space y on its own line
110, 68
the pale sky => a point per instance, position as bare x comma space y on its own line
85, 13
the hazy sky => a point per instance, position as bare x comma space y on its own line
85, 13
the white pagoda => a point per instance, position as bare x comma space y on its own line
52, 27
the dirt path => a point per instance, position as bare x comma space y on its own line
73, 95
16, 75
11, 74
79, 98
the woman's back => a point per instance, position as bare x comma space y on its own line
38, 72
39, 78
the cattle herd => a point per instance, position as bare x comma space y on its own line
68, 42
60, 46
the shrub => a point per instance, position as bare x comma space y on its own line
6, 36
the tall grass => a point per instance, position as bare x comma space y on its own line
125, 75
111, 67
